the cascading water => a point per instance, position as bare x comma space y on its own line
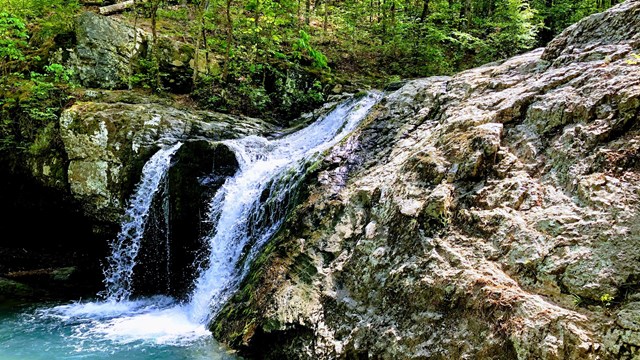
125, 248
241, 219
244, 213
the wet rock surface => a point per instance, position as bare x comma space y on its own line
493, 214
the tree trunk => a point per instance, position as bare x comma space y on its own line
425, 10
546, 33
465, 12
227, 55
326, 16
393, 14
201, 37
154, 12
133, 49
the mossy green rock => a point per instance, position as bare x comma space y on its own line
13, 290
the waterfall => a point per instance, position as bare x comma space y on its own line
244, 214
250, 206
125, 248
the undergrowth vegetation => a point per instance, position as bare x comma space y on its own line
33, 90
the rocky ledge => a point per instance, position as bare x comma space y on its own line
494, 214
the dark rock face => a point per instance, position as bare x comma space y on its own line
44, 231
493, 214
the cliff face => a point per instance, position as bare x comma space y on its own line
492, 214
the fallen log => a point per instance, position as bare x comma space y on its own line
91, 2
112, 9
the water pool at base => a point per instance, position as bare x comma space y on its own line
152, 328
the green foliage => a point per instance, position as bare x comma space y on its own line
557, 15
29, 110
43, 139
145, 74
635, 59
577, 300
513, 29
13, 39
30, 106
277, 58
258, 43
606, 299
45, 18
59, 73
261, 90
303, 46
28, 32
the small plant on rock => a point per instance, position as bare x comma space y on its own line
606, 299
577, 300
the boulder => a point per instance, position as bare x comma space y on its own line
104, 52
107, 144
111, 54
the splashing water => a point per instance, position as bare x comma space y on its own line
124, 250
245, 213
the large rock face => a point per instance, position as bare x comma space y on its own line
494, 214
104, 51
109, 54
109, 138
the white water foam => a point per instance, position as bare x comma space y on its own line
157, 320
243, 223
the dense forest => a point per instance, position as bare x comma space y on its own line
252, 52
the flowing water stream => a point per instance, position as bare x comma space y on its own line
245, 213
